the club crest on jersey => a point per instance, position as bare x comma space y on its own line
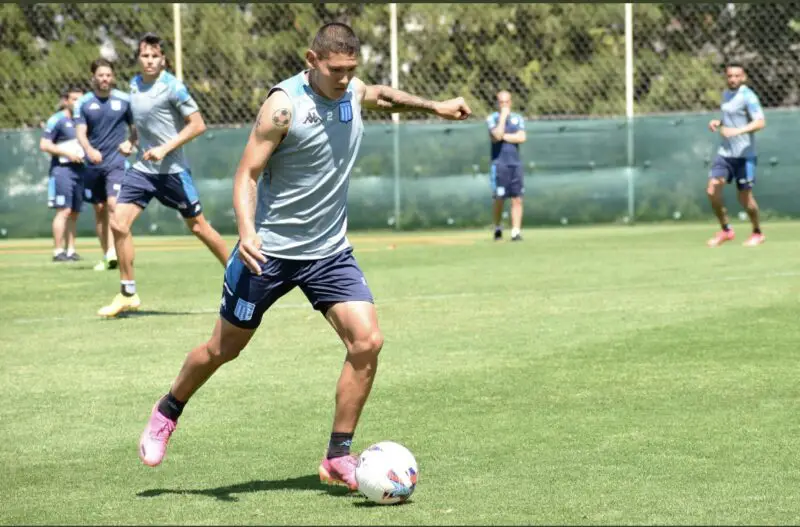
345, 112
116, 106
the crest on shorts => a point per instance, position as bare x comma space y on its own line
244, 310
345, 112
116, 105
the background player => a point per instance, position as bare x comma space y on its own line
65, 186
302, 147
102, 119
742, 116
507, 132
166, 118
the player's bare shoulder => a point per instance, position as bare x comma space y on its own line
275, 114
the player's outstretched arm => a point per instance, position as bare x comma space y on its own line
272, 125
386, 99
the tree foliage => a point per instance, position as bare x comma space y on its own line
557, 59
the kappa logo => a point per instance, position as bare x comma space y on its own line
312, 118
94, 106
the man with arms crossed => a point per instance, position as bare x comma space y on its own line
292, 226
65, 185
507, 132
102, 119
742, 116
166, 118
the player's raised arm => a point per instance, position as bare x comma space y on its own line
271, 127
386, 99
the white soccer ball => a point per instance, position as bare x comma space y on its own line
387, 473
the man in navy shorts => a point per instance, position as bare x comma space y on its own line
507, 132
65, 185
742, 117
103, 122
166, 117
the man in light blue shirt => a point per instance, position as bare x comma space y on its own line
742, 117
166, 117
290, 199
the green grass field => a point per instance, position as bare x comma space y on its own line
605, 375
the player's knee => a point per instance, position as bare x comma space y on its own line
219, 354
119, 228
367, 347
197, 227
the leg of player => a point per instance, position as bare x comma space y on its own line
497, 217
356, 323
516, 219
225, 344
748, 202
714, 190
209, 236
121, 220
72, 233
60, 221
101, 228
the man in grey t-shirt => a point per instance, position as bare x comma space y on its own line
166, 117
742, 117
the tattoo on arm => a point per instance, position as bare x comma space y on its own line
282, 117
399, 101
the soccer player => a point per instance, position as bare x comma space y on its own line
65, 186
742, 116
103, 119
166, 118
507, 132
290, 199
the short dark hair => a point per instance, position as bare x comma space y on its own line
151, 39
72, 88
101, 63
735, 65
336, 38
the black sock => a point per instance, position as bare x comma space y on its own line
339, 445
756, 231
726, 227
170, 407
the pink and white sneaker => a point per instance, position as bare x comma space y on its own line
721, 237
153, 443
339, 471
754, 239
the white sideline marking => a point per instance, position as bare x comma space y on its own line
448, 296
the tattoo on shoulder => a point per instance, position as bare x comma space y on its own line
282, 117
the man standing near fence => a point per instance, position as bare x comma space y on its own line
65, 185
103, 119
742, 116
290, 199
507, 132
166, 118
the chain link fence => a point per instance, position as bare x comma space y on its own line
559, 60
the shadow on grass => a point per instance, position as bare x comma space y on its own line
227, 493
157, 313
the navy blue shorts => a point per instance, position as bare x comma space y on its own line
175, 191
246, 297
65, 188
739, 169
507, 181
100, 183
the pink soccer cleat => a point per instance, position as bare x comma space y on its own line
339, 471
754, 239
153, 443
721, 237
